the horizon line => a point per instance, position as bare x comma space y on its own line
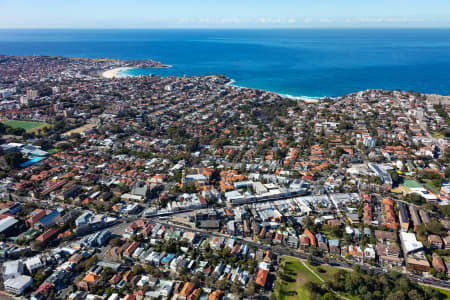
220, 28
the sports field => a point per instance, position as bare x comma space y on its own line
27, 125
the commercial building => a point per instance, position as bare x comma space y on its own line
8, 225
17, 285
413, 253
12, 269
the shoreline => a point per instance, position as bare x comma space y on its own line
109, 74
308, 99
113, 73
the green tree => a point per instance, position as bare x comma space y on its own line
192, 145
14, 159
395, 177
328, 296
235, 288
415, 198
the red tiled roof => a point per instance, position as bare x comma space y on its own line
261, 277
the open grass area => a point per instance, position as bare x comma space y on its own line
429, 185
437, 134
291, 280
53, 151
79, 129
293, 276
327, 273
27, 125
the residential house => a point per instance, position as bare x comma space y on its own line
312, 238
335, 248
369, 252
437, 263
389, 254
322, 242
47, 236
261, 277
435, 241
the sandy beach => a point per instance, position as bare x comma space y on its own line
113, 72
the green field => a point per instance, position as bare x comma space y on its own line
28, 126
429, 185
53, 151
327, 273
292, 278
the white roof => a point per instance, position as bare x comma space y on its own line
114, 296
263, 265
270, 186
69, 250
196, 177
33, 261
131, 197
7, 222
233, 195
18, 282
143, 280
410, 243
15, 145
12, 267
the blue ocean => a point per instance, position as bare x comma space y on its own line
296, 62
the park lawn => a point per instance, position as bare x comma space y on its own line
429, 185
292, 279
329, 271
53, 151
328, 276
28, 126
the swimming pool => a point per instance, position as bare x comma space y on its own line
32, 160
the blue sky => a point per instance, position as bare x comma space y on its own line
223, 13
